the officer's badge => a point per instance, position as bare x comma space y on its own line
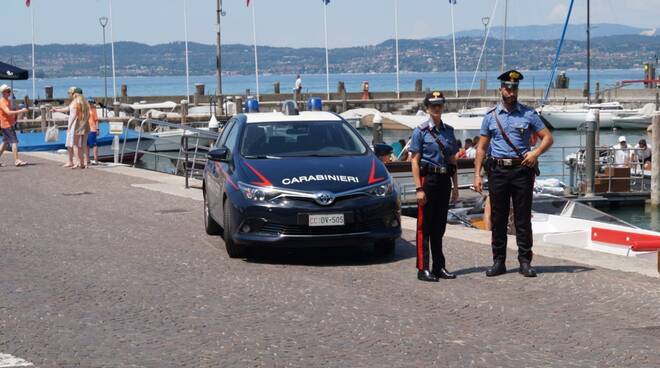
514, 76
437, 94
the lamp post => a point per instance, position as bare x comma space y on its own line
485, 21
104, 22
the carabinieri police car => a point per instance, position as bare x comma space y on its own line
297, 179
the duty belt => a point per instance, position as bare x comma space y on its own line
437, 170
508, 162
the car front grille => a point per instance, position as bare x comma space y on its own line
358, 227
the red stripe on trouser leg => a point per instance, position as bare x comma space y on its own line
420, 234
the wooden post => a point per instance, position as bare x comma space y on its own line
199, 92
655, 163
44, 117
418, 86
115, 109
341, 87
184, 111
48, 91
276, 88
239, 105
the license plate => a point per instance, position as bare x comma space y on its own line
327, 220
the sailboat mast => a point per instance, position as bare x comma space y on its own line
588, 51
218, 56
506, 18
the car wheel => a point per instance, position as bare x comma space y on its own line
211, 227
233, 250
385, 247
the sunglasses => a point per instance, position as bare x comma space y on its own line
513, 87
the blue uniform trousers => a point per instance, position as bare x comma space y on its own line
432, 220
506, 184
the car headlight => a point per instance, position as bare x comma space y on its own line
382, 189
256, 193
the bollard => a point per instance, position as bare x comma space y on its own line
48, 91
344, 103
184, 111
44, 117
418, 86
276, 88
655, 162
115, 109
590, 152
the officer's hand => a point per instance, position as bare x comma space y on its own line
24, 110
421, 198
454, 195
478, 183
530, 159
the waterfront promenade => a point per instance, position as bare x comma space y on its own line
110, 267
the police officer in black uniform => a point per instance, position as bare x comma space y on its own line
511, 167
433, 149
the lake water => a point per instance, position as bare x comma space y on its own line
237, 84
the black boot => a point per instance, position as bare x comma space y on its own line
527, 270
426, 275
498, 268
444, 274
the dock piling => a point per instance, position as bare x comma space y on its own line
184, 112
655, 162
276, 88
48, 91
590, 152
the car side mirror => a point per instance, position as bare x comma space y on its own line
218, 154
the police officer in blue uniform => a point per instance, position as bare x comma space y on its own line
433, 149
511, 167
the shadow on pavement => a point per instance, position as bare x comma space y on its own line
539, 269
363, 255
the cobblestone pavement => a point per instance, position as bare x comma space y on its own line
97, 273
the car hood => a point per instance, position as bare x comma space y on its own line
334, 174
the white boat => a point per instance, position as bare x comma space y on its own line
612, 114
557, 220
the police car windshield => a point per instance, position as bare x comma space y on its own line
300, 139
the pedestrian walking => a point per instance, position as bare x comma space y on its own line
7, 125
433, 149
297, 88
511, 166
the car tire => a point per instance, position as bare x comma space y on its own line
233, 250
210, 225
385, 247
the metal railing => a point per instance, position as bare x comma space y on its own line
189, 156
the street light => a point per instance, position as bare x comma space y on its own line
485, 21
104, 22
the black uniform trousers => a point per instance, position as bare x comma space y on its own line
505, 184
432, 220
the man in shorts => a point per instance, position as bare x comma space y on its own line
7, 121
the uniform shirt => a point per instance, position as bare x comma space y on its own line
518, 124
6, 120
424, 143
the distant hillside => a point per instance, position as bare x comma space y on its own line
577, 32
135, 59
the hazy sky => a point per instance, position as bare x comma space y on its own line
294, 23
